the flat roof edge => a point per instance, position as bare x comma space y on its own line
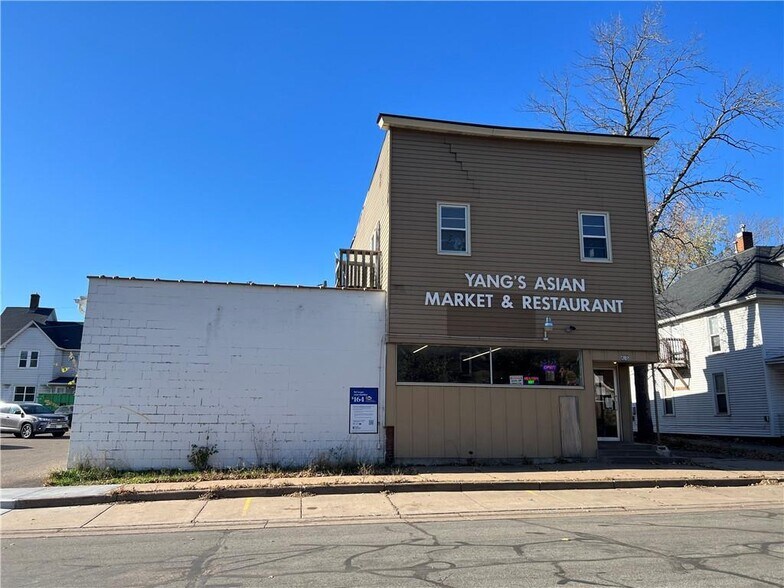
388, 121
214, 283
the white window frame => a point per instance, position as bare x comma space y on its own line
711, 334
28, 359
715, 391
467, 207
607, 237
24, 393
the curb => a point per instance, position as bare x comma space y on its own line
249, 492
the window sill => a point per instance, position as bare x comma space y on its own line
594, 260
455, 253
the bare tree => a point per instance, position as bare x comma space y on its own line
629, 86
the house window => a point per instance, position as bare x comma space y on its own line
28, 359
715, 334
720, 393
668, 401
595, 236
454, 229
24, 394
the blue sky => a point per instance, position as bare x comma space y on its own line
235, 141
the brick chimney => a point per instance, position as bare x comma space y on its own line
743, 240
35, 300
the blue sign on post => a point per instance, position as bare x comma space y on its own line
363, 410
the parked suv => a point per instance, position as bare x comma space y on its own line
27, 419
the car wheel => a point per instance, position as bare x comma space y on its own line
26, 432
58, 434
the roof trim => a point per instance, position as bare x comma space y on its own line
27, 326
389, 121
254, 284
720, 306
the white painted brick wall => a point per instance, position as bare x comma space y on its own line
264, 371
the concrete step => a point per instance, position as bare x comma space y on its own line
634, 454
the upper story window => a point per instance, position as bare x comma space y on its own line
454, 229
715, 333
595, 236
28, 359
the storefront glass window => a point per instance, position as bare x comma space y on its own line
474, 365
529, 367
448, 365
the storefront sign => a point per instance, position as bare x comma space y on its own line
363, 410
537, 301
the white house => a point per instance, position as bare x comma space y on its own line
39, 355
722, 347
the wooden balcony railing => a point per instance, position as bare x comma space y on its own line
673, 353
358, 268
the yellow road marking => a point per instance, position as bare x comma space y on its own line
246, 506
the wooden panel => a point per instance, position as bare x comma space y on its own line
530, 425
514, 423
452, 423
498, 433
467, 421
420, 424
435, 422
390, 390
484, 423
544, 419
524, 199
404, 422
571, 437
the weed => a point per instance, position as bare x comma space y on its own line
199, 456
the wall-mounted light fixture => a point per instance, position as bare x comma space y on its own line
570, 328
548, 326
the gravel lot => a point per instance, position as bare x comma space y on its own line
25, 463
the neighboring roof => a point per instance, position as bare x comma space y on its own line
16, 317
63, 381
66, 335
387, 121
756, 271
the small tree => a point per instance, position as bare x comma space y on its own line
629, 85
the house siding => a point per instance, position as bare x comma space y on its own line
375, 212
742, 361
32, 339
524, 198
772, 322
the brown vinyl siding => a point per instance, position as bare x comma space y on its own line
375, 210
524, 198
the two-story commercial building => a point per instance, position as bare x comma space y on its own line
518, 276
498, 283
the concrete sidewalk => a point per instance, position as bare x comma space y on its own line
388, 507
701, 472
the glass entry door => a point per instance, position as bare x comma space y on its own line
606, 402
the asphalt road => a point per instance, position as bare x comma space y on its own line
25, 463
727, 548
